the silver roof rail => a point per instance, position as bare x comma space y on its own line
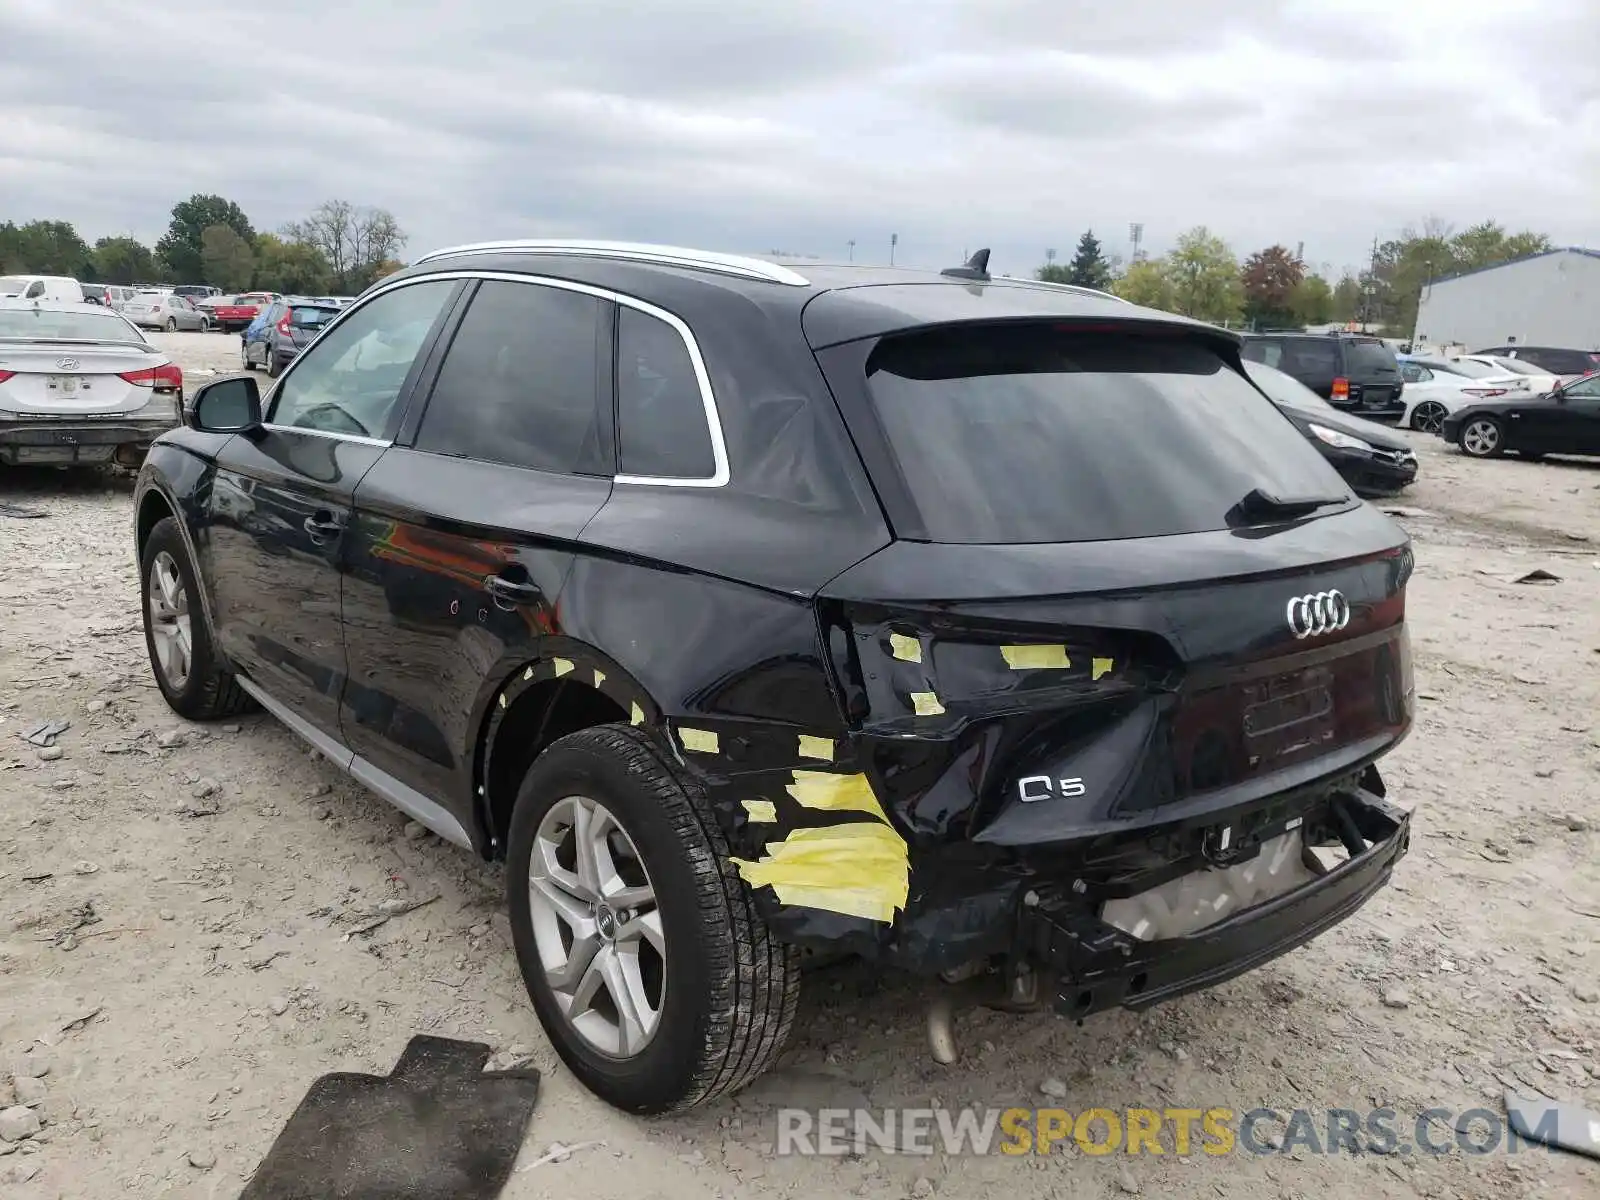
672, 256
1075, 288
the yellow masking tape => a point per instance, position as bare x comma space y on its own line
1102, 666
835, 793
1040, 658
599, 678
636, 717
860, 870
926, 704
815, 747
562, 667
703, 740
906, 649
761, 810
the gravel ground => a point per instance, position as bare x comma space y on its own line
195, 889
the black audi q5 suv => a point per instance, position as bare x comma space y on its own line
981, 628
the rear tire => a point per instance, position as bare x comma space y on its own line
204, 690
727, 991
269, 358
1428, 416
172, 325
1483, 437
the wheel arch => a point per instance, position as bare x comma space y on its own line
569, 687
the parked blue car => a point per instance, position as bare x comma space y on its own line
281, 330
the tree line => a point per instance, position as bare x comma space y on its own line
339, 248
1272, 288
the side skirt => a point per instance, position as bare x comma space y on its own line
407, 799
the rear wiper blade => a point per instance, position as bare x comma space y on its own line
1259, 504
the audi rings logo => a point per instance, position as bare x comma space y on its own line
1321, 612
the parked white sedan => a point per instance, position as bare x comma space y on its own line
1532, 379
165, 310
1432, 393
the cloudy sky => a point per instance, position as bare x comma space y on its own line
803, 124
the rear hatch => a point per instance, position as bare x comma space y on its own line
1373, 375
305, 321
1124, 589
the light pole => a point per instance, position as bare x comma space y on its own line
852, 244
894, 240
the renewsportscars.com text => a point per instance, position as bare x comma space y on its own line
1177, 1131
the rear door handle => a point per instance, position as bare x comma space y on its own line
510, 592
323, 525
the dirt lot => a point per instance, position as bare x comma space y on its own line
196, 890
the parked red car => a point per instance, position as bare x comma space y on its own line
241, 310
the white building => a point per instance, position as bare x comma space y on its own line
1550, 299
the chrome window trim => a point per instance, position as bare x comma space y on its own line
742, 265
719, 447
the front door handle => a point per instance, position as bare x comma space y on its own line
508, 593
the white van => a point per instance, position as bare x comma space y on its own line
42, 287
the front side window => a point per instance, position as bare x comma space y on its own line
350, 381
1584, 389
1031, 433
662, 427
519, 383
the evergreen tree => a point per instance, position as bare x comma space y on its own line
1089, 267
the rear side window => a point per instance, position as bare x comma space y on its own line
1369, 355
662, 427
1562, 362
1311, 359
1017, 434
1265, 351
519, 385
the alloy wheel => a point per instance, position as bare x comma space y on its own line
1481, 438
1428, 416
597, 927
169, 620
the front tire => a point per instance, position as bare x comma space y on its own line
618, 877
172, 325
1483, 437
186, 666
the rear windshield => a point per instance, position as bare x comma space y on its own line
1032, 433
1517, 367
1369, 354
86, 326
311, 314
1468, 367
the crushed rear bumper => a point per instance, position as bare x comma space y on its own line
1096, 966
67, 442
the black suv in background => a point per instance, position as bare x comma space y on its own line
977, 627
1354, 373
1571, 364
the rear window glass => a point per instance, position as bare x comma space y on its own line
87, 326
1369, 355
311, 315
11, 283
1018, 434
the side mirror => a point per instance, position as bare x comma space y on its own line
226, 406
